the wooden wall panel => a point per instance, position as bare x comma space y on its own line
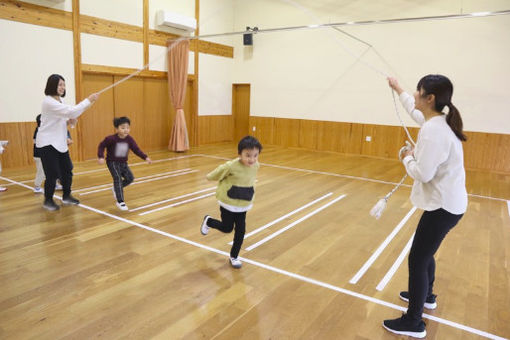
156, 110
19, 152
215, 129
286, 132
482, 151
385, 142
33, 14
488, 151
264, 129
128, 101
97, 122
308, 133
339, 137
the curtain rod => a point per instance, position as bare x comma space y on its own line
356, 23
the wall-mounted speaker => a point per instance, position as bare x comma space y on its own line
248, 39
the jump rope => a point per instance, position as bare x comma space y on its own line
380, 206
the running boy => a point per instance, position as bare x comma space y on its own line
235, 194
117, 147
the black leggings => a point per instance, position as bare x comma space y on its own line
226, 225
122, 177
431, 230
56, 165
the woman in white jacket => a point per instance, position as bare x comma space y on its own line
437, 167
51, 139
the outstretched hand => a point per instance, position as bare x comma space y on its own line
393, 83
148, 160
100, 160
93, 97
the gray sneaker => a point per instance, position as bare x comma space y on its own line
50, 205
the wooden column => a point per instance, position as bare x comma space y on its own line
194, 116
77, 71
145, 32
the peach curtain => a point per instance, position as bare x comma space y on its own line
177, 78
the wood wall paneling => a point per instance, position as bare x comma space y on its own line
215, 129
264, 129
19, 152
128, 99
308, 134
156, 108
33, 14
97, 122
488, 151
286, 132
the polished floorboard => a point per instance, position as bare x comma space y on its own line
93, 271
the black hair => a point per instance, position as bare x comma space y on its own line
248, 142
442, 89
120, 120
52, 85
38, 120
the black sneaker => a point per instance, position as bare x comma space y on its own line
404, 326
50, 205
430, 302
70, 200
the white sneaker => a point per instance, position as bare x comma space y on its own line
204, 229
235, 262
38, 190
122, 206
3, 189
58, 187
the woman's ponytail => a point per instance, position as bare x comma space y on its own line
455, 122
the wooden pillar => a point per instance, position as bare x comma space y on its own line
145, 32
77, 71
194, 116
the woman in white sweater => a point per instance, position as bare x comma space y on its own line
437, 167
51, 139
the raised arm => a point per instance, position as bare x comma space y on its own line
407, 101
54, 107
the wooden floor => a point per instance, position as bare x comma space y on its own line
92, 271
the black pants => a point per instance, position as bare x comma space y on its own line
56, 165
226, 225
431, 230
122, 177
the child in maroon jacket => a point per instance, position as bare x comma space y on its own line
117, 147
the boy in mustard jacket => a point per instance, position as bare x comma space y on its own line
235, 194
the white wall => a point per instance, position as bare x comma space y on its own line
216, 73
99, 50
125, 11
215, 85
67, 5
310, 74
29, 55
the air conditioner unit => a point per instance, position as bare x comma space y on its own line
181, 22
